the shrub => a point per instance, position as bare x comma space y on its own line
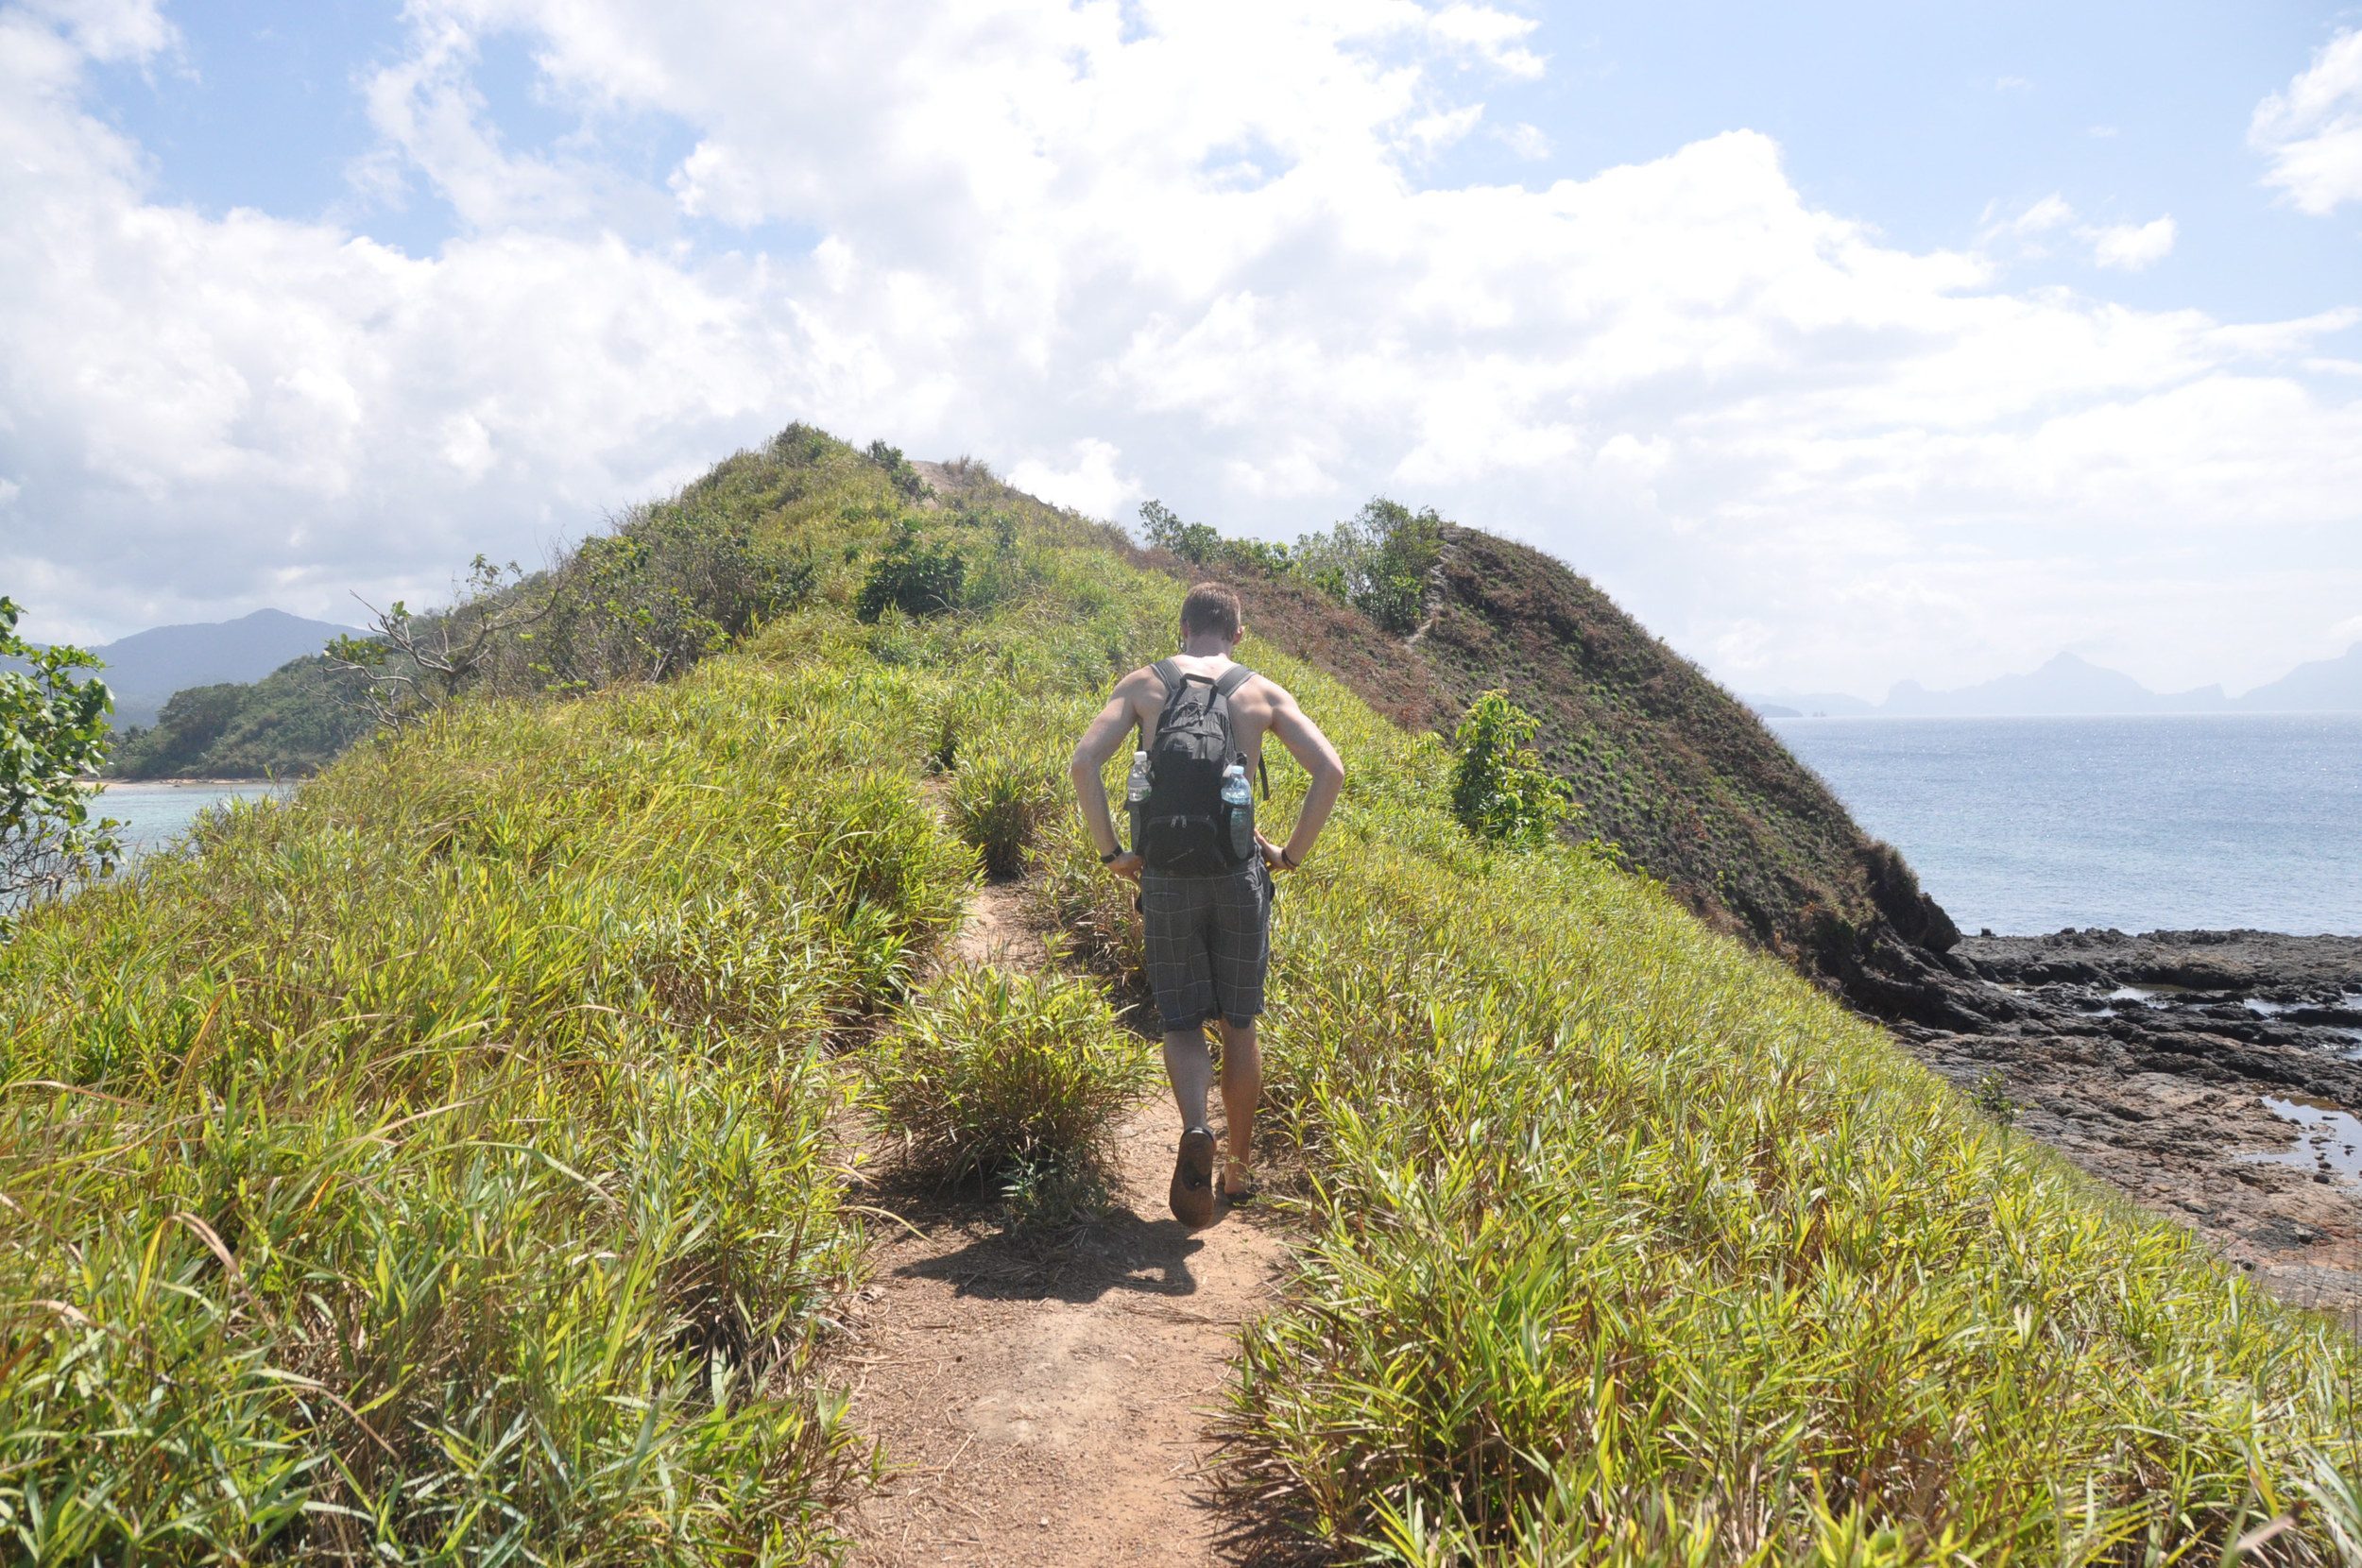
996, 1073
1194, 542
53, 729
1991, 1094
1377, 561
898, 470
1500, 790
998, 803
914, 575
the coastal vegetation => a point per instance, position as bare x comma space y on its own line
53, 732
449, 1162
293, 722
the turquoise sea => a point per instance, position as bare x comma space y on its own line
155, 815
2026, 825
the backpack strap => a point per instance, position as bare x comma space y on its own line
1232, 678
1169, 671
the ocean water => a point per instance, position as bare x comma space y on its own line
155, 815
2025, 826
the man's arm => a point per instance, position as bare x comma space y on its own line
1100, 742
1308, 746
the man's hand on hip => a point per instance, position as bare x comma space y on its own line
1126, 864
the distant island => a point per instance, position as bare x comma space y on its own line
2071, 686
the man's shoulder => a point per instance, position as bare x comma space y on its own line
1265, 689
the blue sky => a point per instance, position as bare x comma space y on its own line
1844, 343
1918, 118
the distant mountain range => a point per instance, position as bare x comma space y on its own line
2069, 686
146, 668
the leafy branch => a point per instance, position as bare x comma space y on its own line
53, 734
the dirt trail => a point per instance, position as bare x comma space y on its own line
1044, 1401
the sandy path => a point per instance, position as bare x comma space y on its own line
1044, 1400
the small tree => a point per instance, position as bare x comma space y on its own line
905, 479
1194, 542
52, 733
1378, 561
1500, 790
416, 662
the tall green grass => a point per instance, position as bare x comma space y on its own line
993, 1073
437, 1168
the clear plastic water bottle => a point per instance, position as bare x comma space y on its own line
1136, 796
1239, 806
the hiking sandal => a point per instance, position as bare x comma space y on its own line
1192, 1194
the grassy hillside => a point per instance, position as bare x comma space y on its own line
1674, 769
1681, 778
436, 1168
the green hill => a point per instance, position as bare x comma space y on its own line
441, 1166
1680, 775
294, 721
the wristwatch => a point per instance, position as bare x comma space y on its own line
1112, 856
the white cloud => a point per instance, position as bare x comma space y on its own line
1090, 485
2045, 214
1497, 36
1528, 142
1175, 249
2312, 131
2023, 235
2131, 246
2012, 85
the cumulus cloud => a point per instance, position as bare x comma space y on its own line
2312, 132
1090, 483
1188, 248
2131, 246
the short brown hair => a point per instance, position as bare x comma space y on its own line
1210, 607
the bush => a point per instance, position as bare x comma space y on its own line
897, 470
997, 1073
913, 574
998, 803
1194, 542
53, 729
1500, 790
1378, 561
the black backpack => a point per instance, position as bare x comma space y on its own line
1186, 828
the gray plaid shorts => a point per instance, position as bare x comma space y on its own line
1208, 941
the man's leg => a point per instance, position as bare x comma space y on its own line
1191, 1070
1242, 1091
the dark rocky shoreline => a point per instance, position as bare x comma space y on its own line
2214, 1077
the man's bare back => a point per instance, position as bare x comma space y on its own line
1255, 707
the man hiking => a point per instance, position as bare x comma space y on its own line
1205, 870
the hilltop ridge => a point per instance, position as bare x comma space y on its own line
1680, 775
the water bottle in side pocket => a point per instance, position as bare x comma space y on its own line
1135, 798
1237, 809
